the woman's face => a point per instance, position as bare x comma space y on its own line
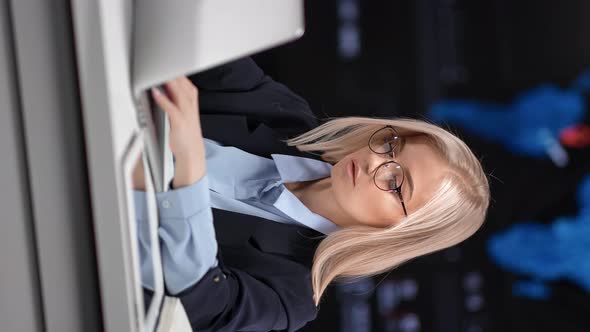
367, 204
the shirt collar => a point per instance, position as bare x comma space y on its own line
291, 206
297, 169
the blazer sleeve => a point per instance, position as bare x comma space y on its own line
241, 87
276, 298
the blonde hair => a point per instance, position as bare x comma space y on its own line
456, 210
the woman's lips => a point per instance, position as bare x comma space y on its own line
351, 171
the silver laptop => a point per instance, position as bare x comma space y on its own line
180, 37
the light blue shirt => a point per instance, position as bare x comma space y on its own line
235, 181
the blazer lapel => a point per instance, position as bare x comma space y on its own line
236, 229
299, 243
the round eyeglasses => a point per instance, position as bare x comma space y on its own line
389, 176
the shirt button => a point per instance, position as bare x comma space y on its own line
165, 204
216, 279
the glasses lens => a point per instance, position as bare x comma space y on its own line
389, 176
384, 140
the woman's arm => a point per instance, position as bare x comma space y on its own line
180, 103
186, 232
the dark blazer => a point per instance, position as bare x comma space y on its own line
263, 279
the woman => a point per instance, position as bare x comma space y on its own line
251, 243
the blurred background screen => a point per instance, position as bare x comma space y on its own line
513, 80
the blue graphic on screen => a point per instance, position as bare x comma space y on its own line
544, 253
529, 126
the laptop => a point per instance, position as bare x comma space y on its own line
181, 37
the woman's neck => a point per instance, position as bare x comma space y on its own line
318, 197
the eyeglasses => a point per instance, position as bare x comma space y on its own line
389, 176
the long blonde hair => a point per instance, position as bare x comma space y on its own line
456, 210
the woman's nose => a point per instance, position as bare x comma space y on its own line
375, 160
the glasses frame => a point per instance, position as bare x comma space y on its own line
397, 190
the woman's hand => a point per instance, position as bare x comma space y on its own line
181, 104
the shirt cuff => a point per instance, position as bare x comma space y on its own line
184, 202
177, 203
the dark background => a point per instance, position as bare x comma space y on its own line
401, 57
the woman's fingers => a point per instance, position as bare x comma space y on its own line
183, 98
189, 92
174, 90
182, 92
188, 84
164, 102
